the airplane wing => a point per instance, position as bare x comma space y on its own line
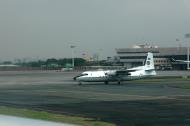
124, 72
183, 61
180, 61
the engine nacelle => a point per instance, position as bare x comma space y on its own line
110, 73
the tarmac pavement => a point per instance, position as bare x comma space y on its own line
133, 103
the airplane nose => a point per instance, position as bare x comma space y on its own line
74, 78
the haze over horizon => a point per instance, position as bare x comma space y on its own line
47, 28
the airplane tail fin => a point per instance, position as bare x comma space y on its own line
149, 63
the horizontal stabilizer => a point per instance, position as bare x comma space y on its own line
185, 61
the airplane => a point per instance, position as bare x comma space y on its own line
107, 76
185, 61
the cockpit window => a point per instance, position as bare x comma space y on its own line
80, 75
84, 74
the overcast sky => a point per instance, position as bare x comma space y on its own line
47, 28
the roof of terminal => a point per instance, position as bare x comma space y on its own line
159, 50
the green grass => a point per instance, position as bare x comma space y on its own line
53, 117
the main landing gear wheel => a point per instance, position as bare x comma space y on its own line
80, 83
106, 82
119, 81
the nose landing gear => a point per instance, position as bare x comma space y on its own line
80, 83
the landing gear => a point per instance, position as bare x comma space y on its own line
106, 82
119, 81
80, 83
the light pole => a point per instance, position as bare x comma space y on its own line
73, 58
188, 36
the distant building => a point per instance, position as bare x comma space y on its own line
135, 56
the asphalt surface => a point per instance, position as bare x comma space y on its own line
155, 102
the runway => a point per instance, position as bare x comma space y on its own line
145, 102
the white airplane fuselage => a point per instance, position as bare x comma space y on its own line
119, 75
103, 76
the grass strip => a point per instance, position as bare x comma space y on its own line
52, 117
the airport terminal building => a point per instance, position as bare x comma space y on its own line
163, 56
